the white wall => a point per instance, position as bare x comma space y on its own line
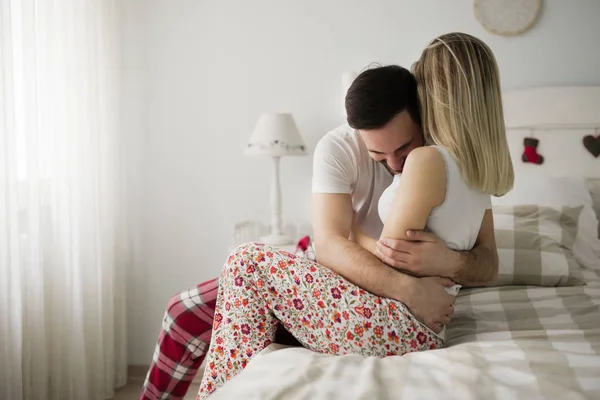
199, 72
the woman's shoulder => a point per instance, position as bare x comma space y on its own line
425, 169
426, 159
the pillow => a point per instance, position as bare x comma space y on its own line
557, 191
535, 187
535, 245
594, 187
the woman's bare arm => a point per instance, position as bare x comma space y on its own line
421, 189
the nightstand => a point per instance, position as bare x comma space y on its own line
252, 231
289, 248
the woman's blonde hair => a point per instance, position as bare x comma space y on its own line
461, 109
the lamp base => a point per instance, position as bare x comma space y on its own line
277, 240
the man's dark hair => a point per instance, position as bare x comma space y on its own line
377, 95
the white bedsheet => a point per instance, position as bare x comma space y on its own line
503, 343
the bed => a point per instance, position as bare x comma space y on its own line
536, 335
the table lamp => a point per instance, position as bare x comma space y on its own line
276, 135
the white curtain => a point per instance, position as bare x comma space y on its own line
62, 214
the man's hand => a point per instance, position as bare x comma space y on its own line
430, 303
424, 254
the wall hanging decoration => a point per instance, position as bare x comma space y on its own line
592, 143
507, 17
530, 155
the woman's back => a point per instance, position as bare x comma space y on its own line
457, 220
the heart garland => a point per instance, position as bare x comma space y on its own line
592, 144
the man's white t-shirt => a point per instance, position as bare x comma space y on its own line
342, 164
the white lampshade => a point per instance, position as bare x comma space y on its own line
276, 134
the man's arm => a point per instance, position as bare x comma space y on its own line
478, 267
334, 174
363, 240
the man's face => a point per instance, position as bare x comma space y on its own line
391, 144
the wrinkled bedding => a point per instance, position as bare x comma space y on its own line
511, 342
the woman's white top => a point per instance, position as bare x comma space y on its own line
458, 219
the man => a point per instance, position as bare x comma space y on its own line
352, 166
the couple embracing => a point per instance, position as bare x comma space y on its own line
401, 217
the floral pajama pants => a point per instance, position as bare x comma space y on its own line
261, 287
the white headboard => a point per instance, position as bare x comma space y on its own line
560, 117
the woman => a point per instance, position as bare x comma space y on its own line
466, 159
469, 161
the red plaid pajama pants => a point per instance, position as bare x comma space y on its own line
184, 341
